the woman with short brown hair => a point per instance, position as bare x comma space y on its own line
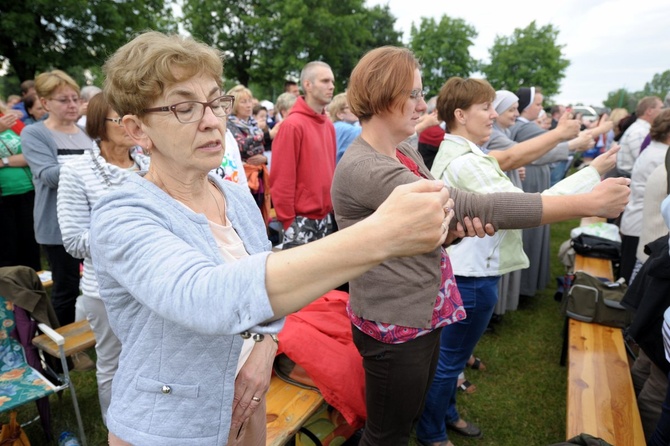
398, 310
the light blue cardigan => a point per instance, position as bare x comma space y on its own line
177, 309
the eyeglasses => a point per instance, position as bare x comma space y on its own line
192, 111
65, 101
116, 121
418, 93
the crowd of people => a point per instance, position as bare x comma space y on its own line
432, 214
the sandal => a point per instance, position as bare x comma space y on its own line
467, 387
476, 364
427, 443
469, 430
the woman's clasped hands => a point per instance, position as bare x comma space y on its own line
413, 216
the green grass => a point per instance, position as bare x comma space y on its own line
520, 397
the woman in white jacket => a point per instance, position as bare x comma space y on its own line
466, 105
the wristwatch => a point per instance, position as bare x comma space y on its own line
5, 161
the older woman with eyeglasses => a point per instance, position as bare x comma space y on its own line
185, 267
82, 182
47, 145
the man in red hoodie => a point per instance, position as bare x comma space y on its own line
303, 161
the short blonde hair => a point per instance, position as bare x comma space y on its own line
461, 93
48, 82
138, 72
284, 102
240, 92
337, 105
381, 81
617, 115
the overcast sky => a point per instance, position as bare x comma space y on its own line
610, 43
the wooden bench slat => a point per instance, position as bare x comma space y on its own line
78, 337
288, 407
601, 400
596, 267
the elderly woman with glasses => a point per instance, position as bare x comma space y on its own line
47, 145
82, 182
185, 267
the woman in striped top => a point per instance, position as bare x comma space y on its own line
82, 182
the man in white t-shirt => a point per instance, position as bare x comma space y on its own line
647, 110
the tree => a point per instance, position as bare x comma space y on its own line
659, 85
530, 57
38, 35
381, 24
622, 98
444, 50
237, 28
265, 41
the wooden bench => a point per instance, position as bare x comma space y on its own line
45, 283
288, 407
78, 337
601, 400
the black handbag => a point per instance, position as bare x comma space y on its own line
594, 246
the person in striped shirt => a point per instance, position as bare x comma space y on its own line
83, 181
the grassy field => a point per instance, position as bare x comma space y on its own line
520, 398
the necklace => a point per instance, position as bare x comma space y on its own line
223, 215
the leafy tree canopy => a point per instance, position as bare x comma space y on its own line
39, 35
444, 50
658, 86
529, 57
265, 41
622, 98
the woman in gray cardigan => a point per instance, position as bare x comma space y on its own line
184, 264
47, 145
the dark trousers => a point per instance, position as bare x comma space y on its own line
628, 256
661, 436
397, 378
17, 237
65, 274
